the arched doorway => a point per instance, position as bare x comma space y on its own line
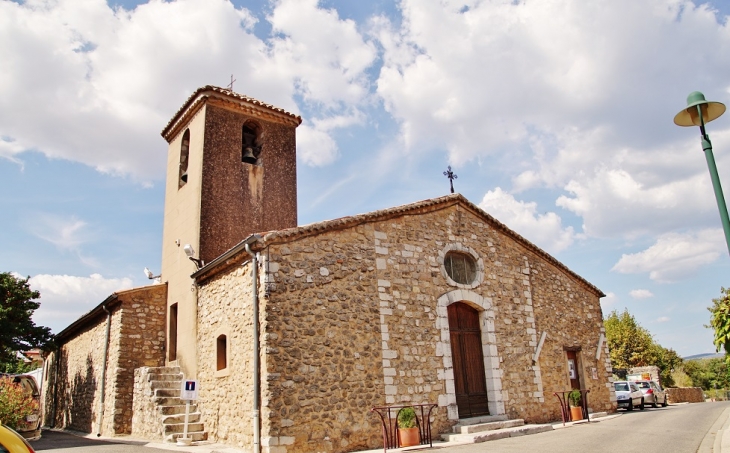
468, 360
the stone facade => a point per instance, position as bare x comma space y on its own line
354, 315
136, 338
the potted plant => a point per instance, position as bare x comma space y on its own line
576, 408
408, 434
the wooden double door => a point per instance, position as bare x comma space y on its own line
468, 360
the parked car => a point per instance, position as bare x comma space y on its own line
12, 442
628, 395
30, 427
653, 393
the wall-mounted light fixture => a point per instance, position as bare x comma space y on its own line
190, 252
152, 276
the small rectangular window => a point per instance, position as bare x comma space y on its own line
221, 353
172, 347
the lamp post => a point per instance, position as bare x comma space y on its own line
697, 113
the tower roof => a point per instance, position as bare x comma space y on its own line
229, 99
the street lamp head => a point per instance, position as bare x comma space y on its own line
690, 116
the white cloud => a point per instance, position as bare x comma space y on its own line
118, 75
315, 146
641, 294
64, 298
473, 77
662, 319
563, 89
674, 256
545, 230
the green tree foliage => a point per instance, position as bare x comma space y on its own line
15, 403
630, 344
667, 360
633, 346
707, 373
720, 320
18, 332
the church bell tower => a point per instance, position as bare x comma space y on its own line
231, 172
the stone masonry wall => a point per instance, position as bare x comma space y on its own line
357, 317
76, 392
224, 308
571, 318
327, 316
136, 338
685, 395
141, 343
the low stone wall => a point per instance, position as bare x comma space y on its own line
686, 395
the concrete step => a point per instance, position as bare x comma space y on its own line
495, 434
180, 427
176, 409
490, 426
193, 417
595, 415
482, 419
167, 393
165, 377
168, 401
167, 384
197, 437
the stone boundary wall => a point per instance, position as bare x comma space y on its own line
686, 395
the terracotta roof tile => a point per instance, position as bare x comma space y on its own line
433, 204
211, 90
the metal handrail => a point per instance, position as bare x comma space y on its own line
565, 407
390, 424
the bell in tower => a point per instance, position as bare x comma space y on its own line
252, 142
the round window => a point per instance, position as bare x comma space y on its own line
460, 267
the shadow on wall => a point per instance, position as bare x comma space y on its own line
77, 403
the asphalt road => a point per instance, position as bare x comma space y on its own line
675, 429
59, 442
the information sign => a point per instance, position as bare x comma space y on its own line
189, 390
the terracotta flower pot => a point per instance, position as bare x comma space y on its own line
408, 437
576, 413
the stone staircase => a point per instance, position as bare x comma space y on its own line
163, 387
483, 429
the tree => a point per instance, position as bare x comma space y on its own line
668, 361
18, 332
633, 346
630, 344
720, 321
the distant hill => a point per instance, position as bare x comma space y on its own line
708, 355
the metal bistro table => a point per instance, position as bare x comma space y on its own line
389, 416
565, 407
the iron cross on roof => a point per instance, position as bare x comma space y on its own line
450, 174
230, 85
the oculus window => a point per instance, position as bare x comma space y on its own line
460, 267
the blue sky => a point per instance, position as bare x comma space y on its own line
556, 117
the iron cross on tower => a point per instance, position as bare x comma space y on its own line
450, 174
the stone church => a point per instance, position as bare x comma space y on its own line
295, 332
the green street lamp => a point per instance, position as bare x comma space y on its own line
697, 113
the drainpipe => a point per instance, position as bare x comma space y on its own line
256, 371
56, 366
103, 370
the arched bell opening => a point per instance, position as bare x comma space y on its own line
251, 142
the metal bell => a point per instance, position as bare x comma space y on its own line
248, 156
